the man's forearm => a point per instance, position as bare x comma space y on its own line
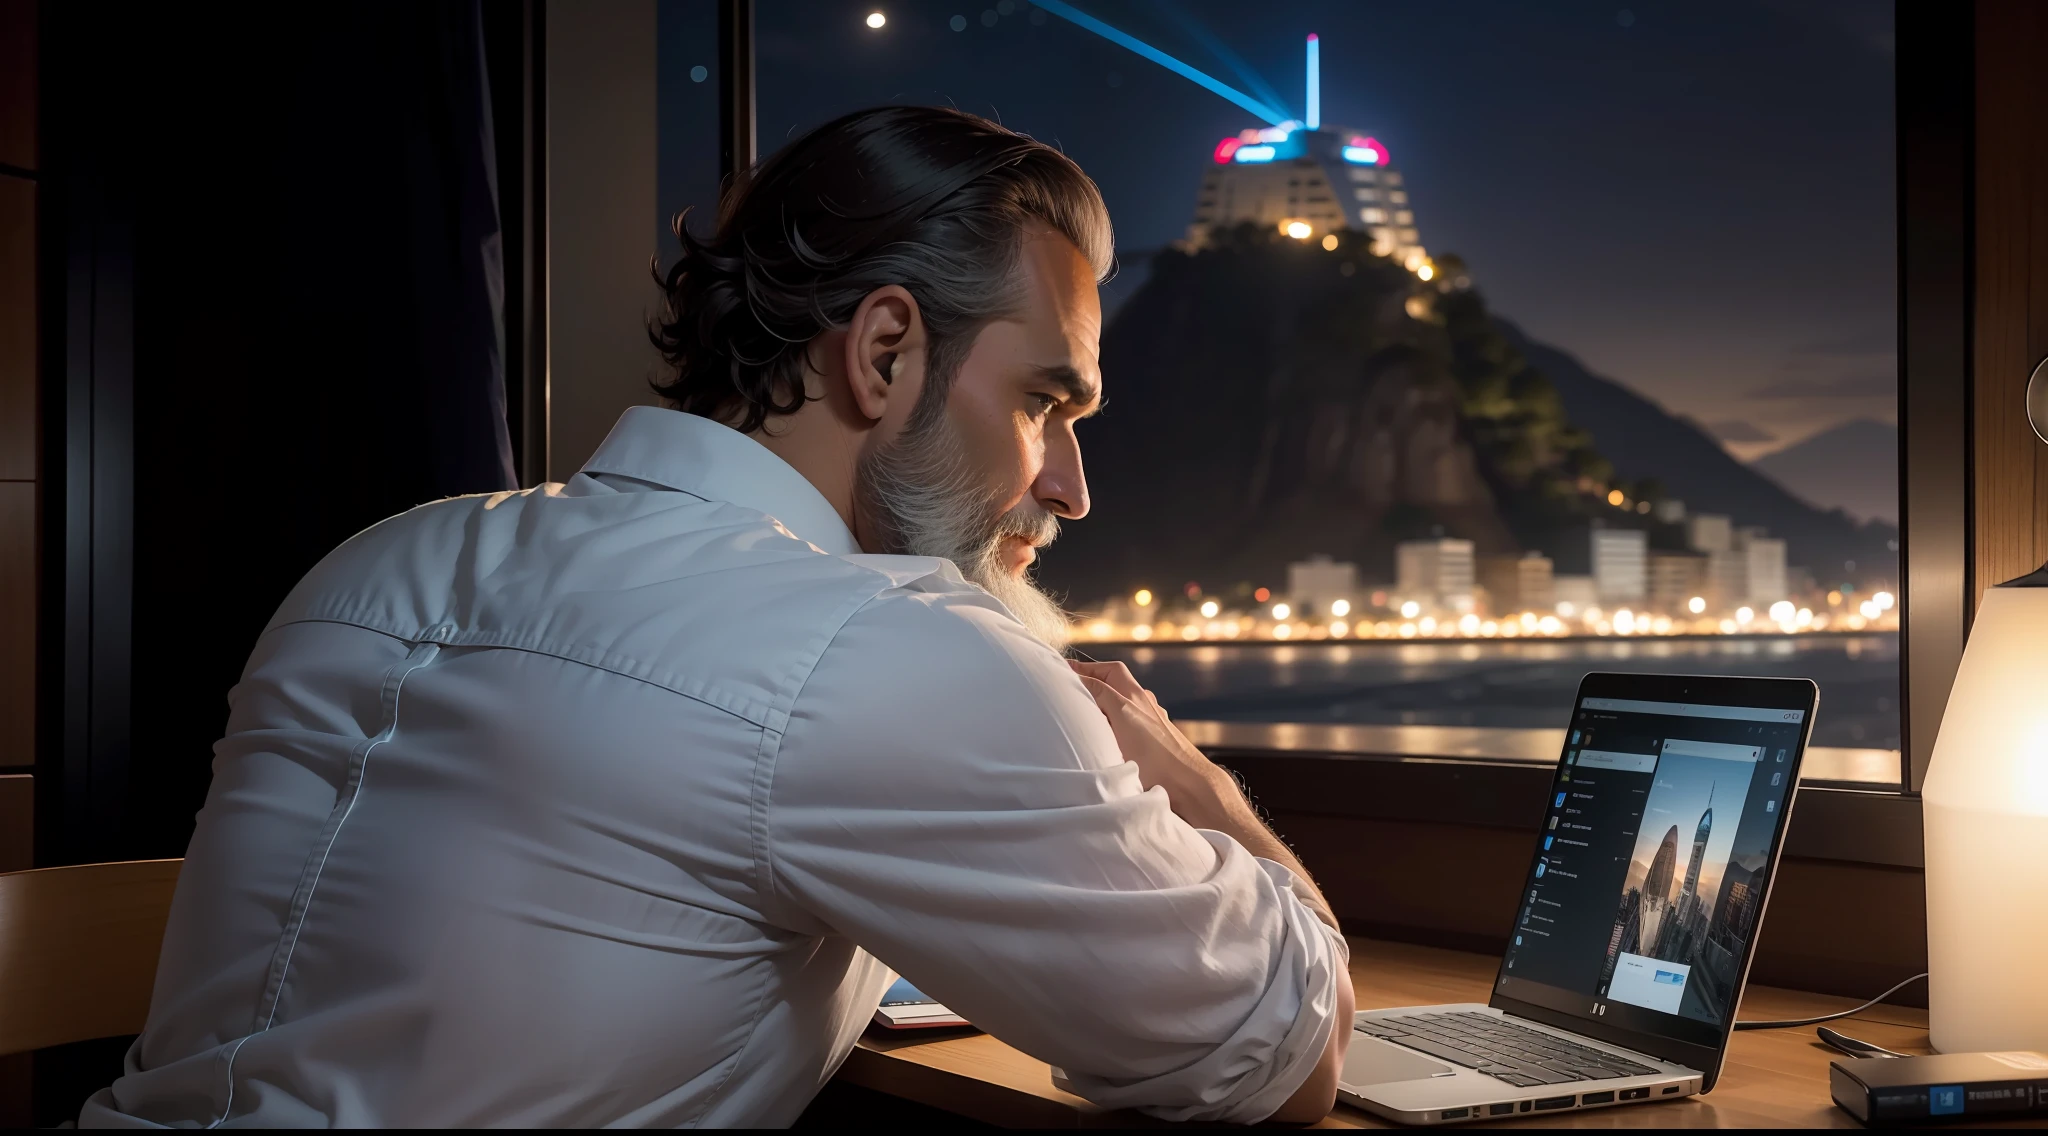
1222, 807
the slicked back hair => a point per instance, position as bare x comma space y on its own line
931, 199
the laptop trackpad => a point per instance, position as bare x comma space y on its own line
1371, 1061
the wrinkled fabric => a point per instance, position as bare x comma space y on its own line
616, 802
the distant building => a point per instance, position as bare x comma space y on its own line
1315, 582
1710, 534
1764, 567
1517, 583
1324, 179
1675, 578
1621, 565
1571, 595
1727, 580
1670, 511
1440, 571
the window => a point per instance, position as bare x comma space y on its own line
1667, 443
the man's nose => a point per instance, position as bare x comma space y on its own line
1062, 488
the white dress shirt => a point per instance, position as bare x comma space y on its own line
615, 802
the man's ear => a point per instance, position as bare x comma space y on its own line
885, 344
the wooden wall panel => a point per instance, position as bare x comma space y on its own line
17, 328
17, 623
2011, 304
18, 83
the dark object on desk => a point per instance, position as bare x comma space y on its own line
1854, 1047
1946, 1086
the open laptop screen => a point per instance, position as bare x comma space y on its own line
1657, 843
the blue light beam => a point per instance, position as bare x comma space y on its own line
1132, 43
1315, 81
1252, 80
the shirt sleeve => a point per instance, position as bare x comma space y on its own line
948, 796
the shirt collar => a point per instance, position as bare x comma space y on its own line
714, 461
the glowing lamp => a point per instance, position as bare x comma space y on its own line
1986, 816
1299, 230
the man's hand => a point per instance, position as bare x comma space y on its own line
1206, 796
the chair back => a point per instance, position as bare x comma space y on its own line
78, 949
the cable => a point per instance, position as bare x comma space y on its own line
1853, 1046
1830, 1017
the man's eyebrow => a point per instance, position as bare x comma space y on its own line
1078, 389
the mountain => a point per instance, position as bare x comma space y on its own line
1269, 400
1643, 440
1853, 467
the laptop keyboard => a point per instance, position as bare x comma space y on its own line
1501, 1049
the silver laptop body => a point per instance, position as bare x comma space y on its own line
1632, 948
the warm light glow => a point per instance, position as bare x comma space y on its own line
1661, 625
1743, 615
1834, 599
1410, 610
1625, 621
1428, 625
1727, 627
1567, 609
1489, 629
876, 19
1282, 611
1282, 631
1143, 598
1191, 633
1550, 625
1262, 595
1299, 230
1425, 272
1985, 806
1210, 608
1100, 629
1614, 497
1869, 609
1884, 600
1804, 618
1142, 632
1330, 242
1468, 623
1340, 607
1339, 629
1696, 605
1407, 631
1783, 612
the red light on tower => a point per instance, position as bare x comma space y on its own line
1226, 148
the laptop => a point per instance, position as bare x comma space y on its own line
1636, 920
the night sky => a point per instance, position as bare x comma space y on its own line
1695, 198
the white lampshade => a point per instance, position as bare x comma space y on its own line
1986, 805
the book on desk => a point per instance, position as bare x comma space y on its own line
906, 1007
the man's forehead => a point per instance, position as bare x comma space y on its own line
1062, 316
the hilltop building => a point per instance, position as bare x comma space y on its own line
1517, 583
1309, 182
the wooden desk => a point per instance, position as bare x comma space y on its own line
1774, 1078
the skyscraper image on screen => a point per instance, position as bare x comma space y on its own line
1679, 930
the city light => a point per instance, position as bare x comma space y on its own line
1330, 242
1143, 598
1410, 610
1226, 148
1885, 601
1262, 595
1696, 605
1340, 608
1615, 497
1209, 609
1253, 154
876, 19
1141, 632
1282, 631
1365, 152
1743, 616
1425, 272
1783, 612
1299, 230
1282, 611
1339, 629
1315, 81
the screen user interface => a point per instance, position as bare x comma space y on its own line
1649, 881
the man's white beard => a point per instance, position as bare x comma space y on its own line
919, 498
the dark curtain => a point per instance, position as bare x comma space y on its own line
318, 321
